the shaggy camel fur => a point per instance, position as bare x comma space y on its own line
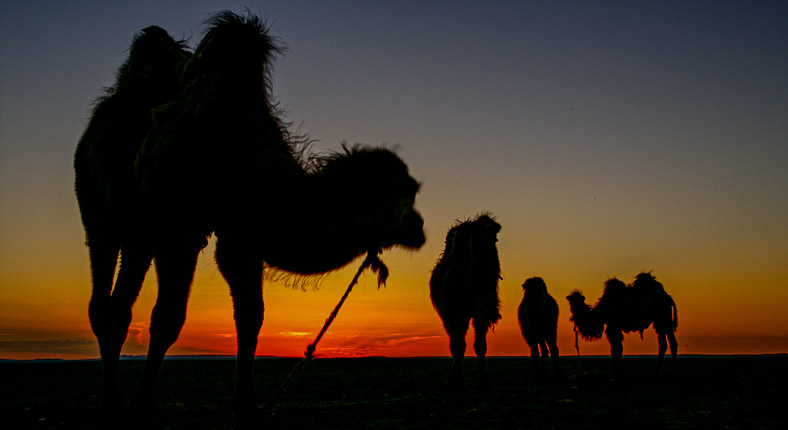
624, 309
538, 317
464, 287
217, 159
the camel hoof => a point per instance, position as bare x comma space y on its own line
247, 417
245, 400
456, 384
111, 402
144, 405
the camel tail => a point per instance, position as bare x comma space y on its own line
675, 314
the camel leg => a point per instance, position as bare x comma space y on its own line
553, 345
674, 344
662, 339
674, 348
175, 269
243, 270
534, 346
457, 346
666, 337
134, 264
103, 260
480, 347
616, 339
130, 276
545, 355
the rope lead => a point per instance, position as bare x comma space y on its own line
373, 262
577, 347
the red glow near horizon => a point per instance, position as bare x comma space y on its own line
335, 345
397, 321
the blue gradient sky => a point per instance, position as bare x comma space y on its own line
607, 137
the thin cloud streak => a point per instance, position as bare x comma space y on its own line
368, 345
55, 347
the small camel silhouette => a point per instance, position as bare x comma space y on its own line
538, 317
624, 309
464, 287
217, 159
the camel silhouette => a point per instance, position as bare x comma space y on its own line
107, 192
538, 317
625, 309
217, 159
464, 287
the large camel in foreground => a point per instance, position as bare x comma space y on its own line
213, 157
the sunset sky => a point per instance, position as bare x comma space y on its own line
608, 138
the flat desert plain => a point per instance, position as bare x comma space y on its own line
740, 392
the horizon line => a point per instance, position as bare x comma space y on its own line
209, 357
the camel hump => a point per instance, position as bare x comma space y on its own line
153, 69
613, 286
646, 280
236, 47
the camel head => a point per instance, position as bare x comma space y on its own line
576, 299
477, 235
587, 322
153, 69
379, 196
487, 228
535, 286
474, 240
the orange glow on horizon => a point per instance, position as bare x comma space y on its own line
395, 321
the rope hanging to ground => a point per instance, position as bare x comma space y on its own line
373, 262
577, 346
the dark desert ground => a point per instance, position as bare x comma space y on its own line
746, 392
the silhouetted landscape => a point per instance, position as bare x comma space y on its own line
705, 392
189, 144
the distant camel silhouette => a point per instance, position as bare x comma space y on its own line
464, 286
538, 317
217, 159
625, 308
